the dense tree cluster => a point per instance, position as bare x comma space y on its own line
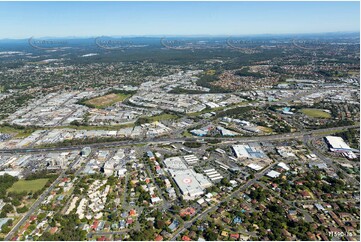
69, 229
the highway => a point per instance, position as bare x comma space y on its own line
250, 183
295, 135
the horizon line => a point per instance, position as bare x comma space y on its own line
183, 35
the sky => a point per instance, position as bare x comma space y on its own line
89, 19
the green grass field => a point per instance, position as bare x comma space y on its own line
315, 113
28, 185
164, 116
107, 100
18, 133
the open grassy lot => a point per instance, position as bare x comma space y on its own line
211, 72
160, 117
107, 100
28, 185
164, 116
18, 133
315, 113
265, 129
187, 134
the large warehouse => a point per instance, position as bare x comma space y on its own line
247, 151
337, 144
190, 183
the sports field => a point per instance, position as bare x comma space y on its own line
28, 185
107, 100
315, 113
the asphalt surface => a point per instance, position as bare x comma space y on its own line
175, 140
214, 207
37, 203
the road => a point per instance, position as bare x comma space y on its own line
295, 135
214, 207
37, 203
166, 205
306, 215
308, 142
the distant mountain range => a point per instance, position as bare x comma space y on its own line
140, 37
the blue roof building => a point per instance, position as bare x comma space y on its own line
174, 225
237, 220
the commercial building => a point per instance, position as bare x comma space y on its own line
175, 163
226, 132
190, 183
85, 151
191, 159
273, 174
213, 175
247, 151
337, 144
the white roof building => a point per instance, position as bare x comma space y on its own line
175, 163
337, 143
283, 166
240, 151
255, 167
11, 173
273, 174
191, 159
190, 183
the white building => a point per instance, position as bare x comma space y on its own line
190, 183
337, 144
273, 174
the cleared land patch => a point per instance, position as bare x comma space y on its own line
17, 132
315, 113
265, 129
160, 117
106, 100
28, 185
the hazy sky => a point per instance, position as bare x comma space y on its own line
61, 19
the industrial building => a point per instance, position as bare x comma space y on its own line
337, 144
213, 175
191, 159
85, 151
273, 174
247, 151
